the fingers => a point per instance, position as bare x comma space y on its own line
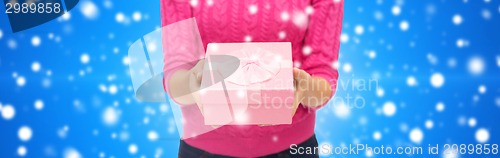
296, 77
299, 74
196, 76
199, 66
197, 72
301, 79
296, 73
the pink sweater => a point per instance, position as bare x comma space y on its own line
312, 26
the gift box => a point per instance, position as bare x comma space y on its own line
247, 83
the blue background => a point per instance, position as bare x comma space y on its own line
77, 95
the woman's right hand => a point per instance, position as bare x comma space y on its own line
184, 85
194, 81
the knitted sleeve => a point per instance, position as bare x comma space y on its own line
323, 37
181, 41
174, 11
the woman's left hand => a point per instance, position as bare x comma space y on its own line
301, 81
310, 91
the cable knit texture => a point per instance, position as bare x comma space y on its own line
312, 26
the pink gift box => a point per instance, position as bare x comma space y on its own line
247, 83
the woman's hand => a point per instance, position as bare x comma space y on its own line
185, 84
194, 80
300, 81
310, 91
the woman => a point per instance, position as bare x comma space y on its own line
312, 26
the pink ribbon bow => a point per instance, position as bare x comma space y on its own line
257, 65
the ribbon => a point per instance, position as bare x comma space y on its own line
256, 65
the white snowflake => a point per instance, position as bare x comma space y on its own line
71, 153
84, 58
389, 109
359, 29
482, 135
347, 67
497, 101
472, 122
110, 116
63, 132
38, 104
486, 14
22, 151
380, 92
432, 59
89, 9
253, 9
404, 25
429, 124
8, 112
437, 80
440, 107
341, 110
126, 60
120, 17
411, 81
210, 2
377, 135
132, 149
24, 133
482, 89
248, 38
36, 41
335, 64
476, 65
416, 135
285, 16
153, 135
12, 44
36, 66
136, 16
21, 81
306, 50
193, 3
462, 43
396, 10
282, 35
498, 60
309, 10
457, 19
66, 16
344, 38
152, 47
372, 54
300, 19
